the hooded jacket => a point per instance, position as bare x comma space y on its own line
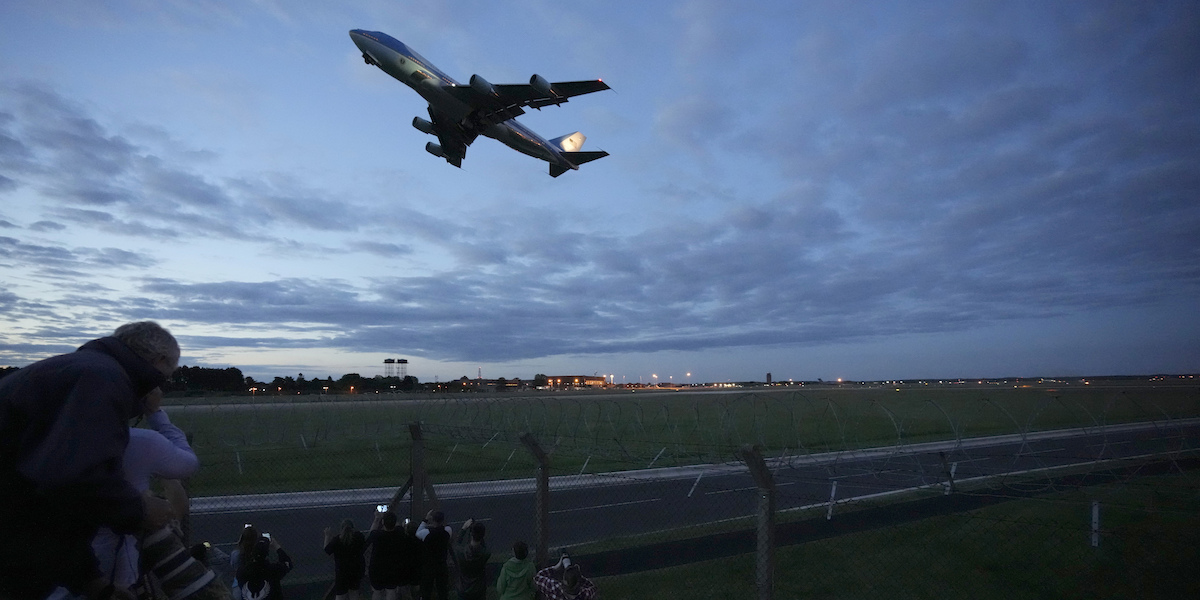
64, 425
516, 580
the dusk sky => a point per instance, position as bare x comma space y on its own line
812, 189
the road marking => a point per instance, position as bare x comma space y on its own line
871, 472
746, 489
1032, 452
1103, 444
567, 510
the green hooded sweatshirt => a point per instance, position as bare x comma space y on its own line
516, 580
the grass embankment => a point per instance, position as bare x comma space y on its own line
1036, 548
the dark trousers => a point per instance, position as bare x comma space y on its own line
435, 581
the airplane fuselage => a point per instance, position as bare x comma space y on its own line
401, 62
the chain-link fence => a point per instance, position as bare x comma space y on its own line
898, 491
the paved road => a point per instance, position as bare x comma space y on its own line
595, 507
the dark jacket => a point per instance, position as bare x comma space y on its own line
348, 561
471, 562
435, 550
64, 425
259, 578
385, 551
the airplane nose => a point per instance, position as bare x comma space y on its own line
362, 41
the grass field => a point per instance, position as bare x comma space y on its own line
1036, 548
357, 441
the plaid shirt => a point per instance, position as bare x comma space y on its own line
550, 587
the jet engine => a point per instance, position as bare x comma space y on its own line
435, 150
422, 125
542, 86
482, 86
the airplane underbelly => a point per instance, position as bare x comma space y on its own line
517, 141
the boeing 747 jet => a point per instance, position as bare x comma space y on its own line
459, 113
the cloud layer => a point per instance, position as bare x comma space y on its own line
849, 180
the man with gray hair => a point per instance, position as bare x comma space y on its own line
64, 425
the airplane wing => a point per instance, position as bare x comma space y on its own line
453, 139
495, 103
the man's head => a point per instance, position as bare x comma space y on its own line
435, 517
478, 530
389, 520
261, 549
520, 550
571, 579
154, 344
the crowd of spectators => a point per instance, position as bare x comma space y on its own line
80, 521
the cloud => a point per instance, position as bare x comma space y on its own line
384, 249
55, 147
51, 256
812, 174
47, 226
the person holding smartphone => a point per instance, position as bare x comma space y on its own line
260, 577
347, 550
563, 581
435, 552
472, 557
384, 540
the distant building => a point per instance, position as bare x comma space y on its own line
768, 378
576, 381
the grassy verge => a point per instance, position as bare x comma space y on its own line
1037, 548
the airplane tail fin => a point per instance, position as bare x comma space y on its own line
576, 159
569, 143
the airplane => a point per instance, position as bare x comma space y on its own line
459, 113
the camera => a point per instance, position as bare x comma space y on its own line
381, 508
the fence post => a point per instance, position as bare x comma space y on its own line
541, 522
765, 573
948, 471
422, 488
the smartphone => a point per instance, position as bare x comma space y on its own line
247, 526
207, 545
381, 508
267, 535
407, 520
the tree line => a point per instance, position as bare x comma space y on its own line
196, 380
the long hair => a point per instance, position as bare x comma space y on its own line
246, 544
347, 531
